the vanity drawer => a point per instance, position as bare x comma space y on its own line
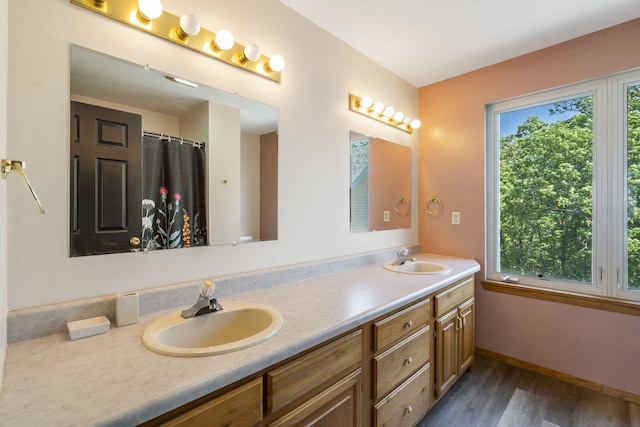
307, 373
239, 407
396, 364
454, 296
408, 403
395, 327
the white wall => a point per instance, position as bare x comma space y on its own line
3, 188
314, 130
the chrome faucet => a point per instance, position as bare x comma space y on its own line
402, 257
205, 304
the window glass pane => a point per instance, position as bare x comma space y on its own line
546, 190
633, 186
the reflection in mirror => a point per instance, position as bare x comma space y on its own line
236, 175
380, 184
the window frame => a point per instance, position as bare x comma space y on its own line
609, 238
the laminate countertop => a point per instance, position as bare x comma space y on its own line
112, 379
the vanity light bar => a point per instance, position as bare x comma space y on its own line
186, 31
377, 111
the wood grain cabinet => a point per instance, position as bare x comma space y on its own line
381, 374
321, 388
401, 366
240, 407
454, 328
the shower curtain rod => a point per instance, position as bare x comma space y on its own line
170, 138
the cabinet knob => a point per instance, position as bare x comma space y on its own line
409, 360
409, 409
409, 324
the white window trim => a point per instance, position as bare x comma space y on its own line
609, 236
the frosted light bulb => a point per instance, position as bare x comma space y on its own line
407, 121
378, 107
416, 124
366, 102
388, 112
252, 52
189, 25
276, 63
398, 116
150, 9
224, 40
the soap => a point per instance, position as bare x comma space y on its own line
88, 327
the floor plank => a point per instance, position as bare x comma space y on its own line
502, 395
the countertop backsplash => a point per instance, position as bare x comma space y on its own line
34, 322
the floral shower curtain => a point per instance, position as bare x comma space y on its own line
173, 191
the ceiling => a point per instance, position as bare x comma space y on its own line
101, 76
426, 41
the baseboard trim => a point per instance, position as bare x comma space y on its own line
621, 394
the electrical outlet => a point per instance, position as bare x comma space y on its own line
386, 216
455, 218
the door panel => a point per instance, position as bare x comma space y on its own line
106, 189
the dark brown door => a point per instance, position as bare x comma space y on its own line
105, 180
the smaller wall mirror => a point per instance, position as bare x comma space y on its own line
380, 184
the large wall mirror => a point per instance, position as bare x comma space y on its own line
157, 162
380, 184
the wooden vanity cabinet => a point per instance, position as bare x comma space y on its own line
402, 380
321, 388
454, 333
240, 407
381, 374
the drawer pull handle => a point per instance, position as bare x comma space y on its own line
409, 360
409, 324
409, 409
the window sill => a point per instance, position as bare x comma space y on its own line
592, 301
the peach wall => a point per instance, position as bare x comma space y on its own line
595, 345
389, 181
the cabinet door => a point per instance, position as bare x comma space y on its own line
446, 351
239, 407
337, 406
466, 345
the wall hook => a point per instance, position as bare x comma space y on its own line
9, 166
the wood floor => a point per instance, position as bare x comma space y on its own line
498, 394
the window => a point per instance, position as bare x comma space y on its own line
563, 185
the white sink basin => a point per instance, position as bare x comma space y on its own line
239, 325
418, 267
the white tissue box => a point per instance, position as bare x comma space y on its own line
88, 327
127, 308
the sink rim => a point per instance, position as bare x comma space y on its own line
151, 334
399, 268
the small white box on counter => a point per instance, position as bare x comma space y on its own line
127, 308
88, 327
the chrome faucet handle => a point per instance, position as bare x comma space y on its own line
207, 288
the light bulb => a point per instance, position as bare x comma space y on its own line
398, 116
276, 63
189, 25
407, 121
366, 102
251, 52
388, 112
378, 107
224, 40
416, 124
150, 9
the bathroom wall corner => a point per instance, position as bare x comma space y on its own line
3, 187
